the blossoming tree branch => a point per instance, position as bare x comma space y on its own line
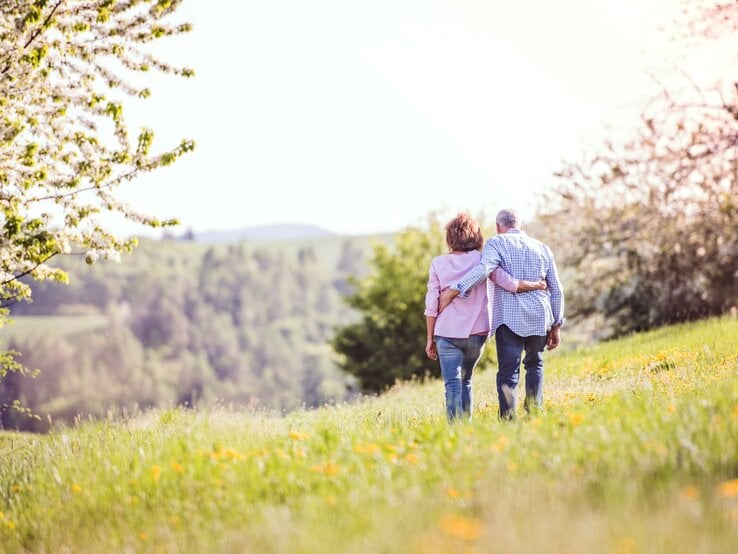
65, 148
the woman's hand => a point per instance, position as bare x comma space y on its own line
430, 349
447, 295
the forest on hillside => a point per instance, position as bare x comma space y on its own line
180, 323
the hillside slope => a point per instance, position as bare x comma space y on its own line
637, 452
287, 231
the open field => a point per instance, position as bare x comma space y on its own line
637, 452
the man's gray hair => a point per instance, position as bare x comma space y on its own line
508, 219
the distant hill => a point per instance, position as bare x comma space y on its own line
287, 231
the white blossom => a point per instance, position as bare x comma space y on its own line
65, 67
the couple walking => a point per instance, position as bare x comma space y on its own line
522, 305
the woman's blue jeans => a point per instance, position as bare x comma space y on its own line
458, 357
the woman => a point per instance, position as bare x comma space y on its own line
456, 337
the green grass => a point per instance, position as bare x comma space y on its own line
637, 452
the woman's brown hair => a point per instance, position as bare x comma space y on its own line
464, 234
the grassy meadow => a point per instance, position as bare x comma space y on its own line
637, 452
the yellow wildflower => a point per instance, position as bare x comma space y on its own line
177, 467
412, 458
453, 493
220, 453
501, 444
369, 448
627, 545
299, 436
728, 489
690, 492
143, 536
76, 489
576, 419
329, 468
461, 527
231, 454
155, 472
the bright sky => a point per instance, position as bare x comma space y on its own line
364, 117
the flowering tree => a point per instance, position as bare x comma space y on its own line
650, 226
65, 71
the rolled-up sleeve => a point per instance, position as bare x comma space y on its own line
556, 290
433, 293
502, 278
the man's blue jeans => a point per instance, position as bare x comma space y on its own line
509, 350
458, 357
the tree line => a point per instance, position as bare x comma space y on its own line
184, 326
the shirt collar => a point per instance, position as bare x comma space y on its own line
515, 231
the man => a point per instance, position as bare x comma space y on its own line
523, 322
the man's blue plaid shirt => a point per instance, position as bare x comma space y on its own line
523, 257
